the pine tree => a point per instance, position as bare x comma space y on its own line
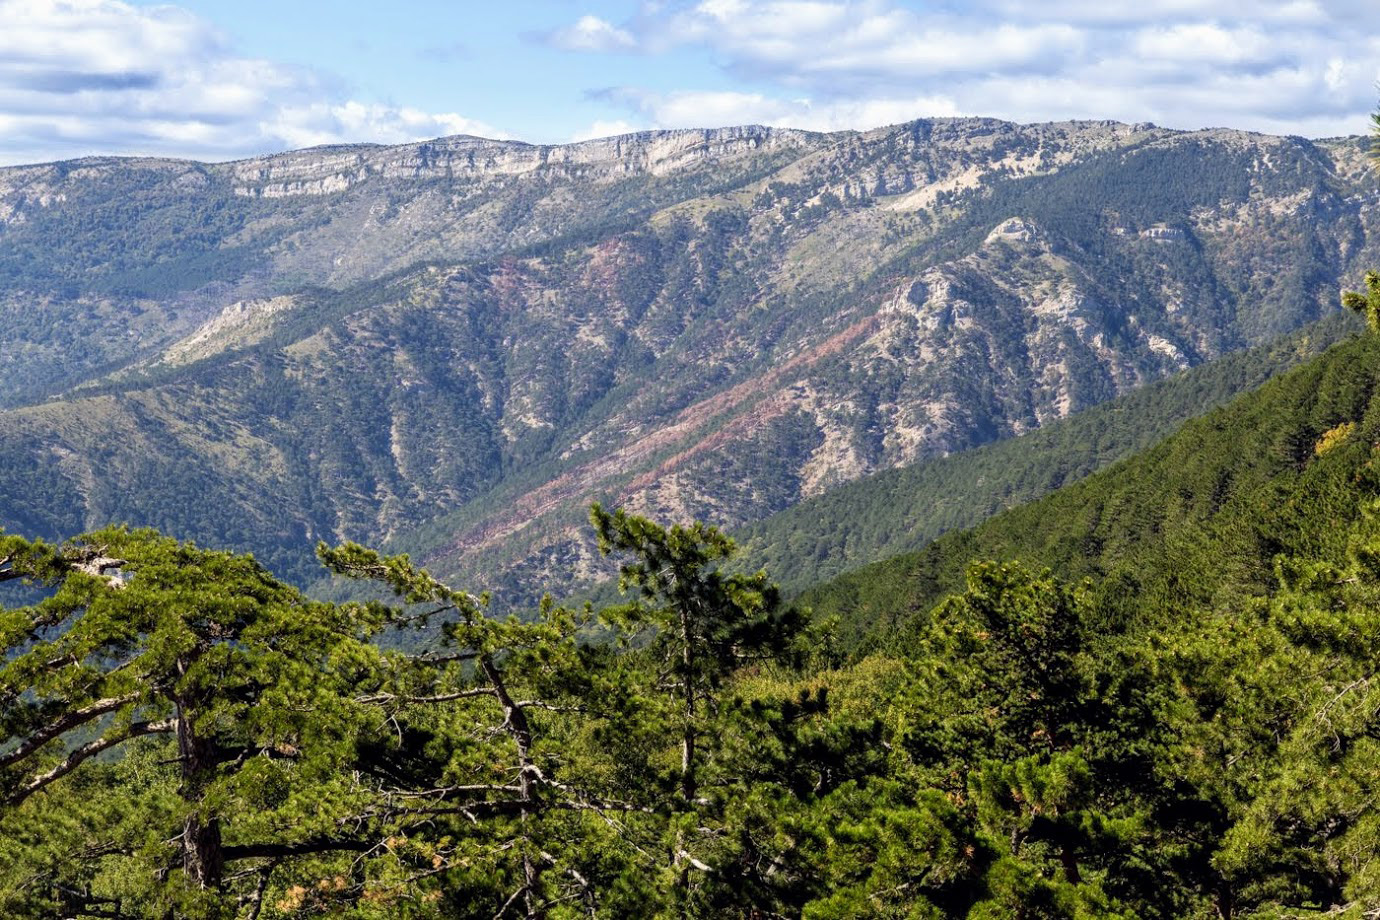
138, 637
700, 625
515, 711
309, 765
1015, 714
1367, 304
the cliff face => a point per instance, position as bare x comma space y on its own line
472, 159
457, 345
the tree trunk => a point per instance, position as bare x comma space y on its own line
688, 779
1070, 861
1224, 901
520, 730
687, 744
203, 858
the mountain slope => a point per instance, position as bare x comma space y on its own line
900, 511
736, 321
150, 249
1194, 522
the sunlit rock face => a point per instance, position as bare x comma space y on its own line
656, 153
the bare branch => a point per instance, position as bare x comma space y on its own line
442, 792
685, 855
439, 698
510, 902
517, 806
424, 615
549, 707
446, 658
255, 900
92, 560
86, 752
68, 722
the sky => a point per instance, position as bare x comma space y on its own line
223, 79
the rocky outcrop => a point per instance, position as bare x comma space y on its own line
1014, 230
1163, 234
462, 158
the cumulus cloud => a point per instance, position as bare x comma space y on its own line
103, 76
590, 33
1293, 66
828, 40
1208, 43
606, 129
688, 109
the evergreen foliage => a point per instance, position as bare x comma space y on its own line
1195, 519
1160, 701
1367, 304
1167, 710
902, 510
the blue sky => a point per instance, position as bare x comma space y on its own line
218, 79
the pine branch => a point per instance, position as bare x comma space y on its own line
85, 753
302, 848
444, 659
441, 792
439, 698
68, 722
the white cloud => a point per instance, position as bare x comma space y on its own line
327, 123
601, 129
1296, 66
80, 77
590, 33
710, 109
1150, 12
1206, 43
829, 38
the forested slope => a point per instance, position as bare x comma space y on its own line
1177, 721
1197, 520
900, 511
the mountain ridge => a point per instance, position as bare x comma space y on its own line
672, 338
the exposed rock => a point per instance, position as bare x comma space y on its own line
1013, 230
324, 171
1163, 234
241, 323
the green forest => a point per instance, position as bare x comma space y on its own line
1159, 699
1126, 666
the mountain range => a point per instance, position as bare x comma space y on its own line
452, 347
